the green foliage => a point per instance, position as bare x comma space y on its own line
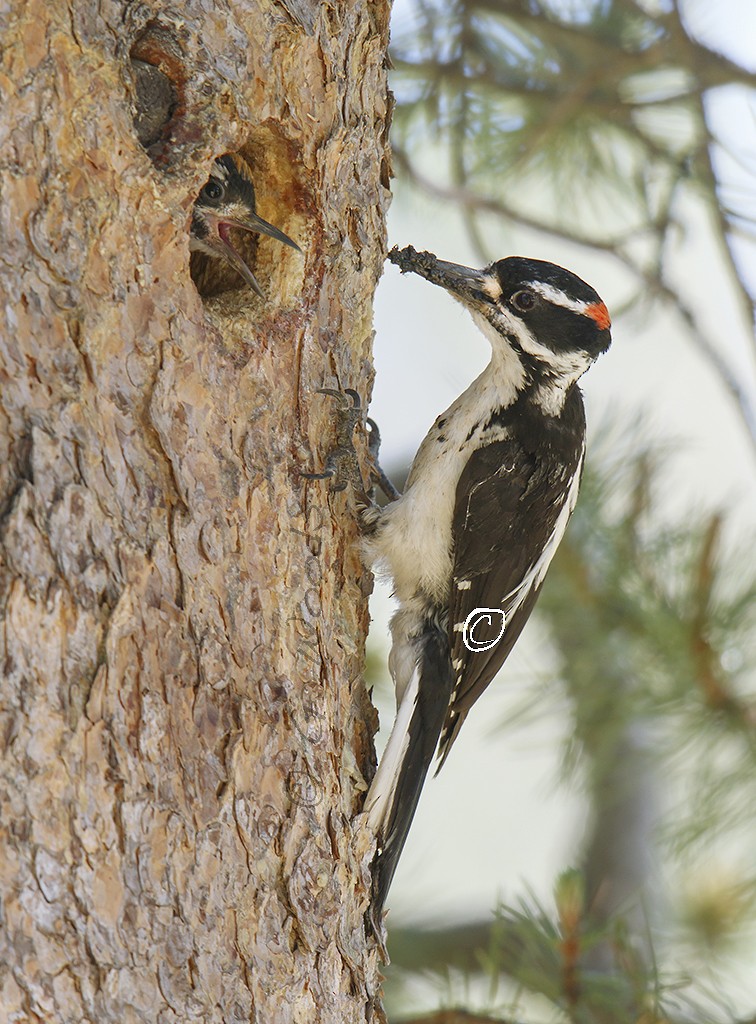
531, 89
654, 622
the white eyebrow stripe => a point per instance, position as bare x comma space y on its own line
219, 171
552, 294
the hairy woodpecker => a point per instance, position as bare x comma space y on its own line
486, 504
227, 201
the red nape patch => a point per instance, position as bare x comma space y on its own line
597, 311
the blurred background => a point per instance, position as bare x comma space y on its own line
589, 851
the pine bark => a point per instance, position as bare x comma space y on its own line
184, 730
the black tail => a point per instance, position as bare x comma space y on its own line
395, 792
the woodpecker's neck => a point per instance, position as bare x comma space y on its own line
505, 376
544, 378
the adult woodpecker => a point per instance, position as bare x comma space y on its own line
227, 201
486, 504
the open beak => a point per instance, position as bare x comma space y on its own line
462, 282
254, 223
220, 228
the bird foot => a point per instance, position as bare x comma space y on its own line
342, 466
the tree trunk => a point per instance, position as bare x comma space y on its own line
184, 730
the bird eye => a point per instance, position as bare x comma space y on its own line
523, 300
213, 190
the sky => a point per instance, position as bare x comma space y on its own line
497, 824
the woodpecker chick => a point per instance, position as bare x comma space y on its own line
487, 501
227, 201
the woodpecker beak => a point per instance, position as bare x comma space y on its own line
460, 281
219, 240
252, 222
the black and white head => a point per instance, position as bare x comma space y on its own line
227, 201
552, 321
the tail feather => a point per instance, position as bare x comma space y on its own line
396, 788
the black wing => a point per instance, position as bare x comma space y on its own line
507, 515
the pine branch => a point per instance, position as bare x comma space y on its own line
511, 85
652, 282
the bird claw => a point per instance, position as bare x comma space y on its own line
377, 474
374, 439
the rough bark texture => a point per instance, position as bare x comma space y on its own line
184, 729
